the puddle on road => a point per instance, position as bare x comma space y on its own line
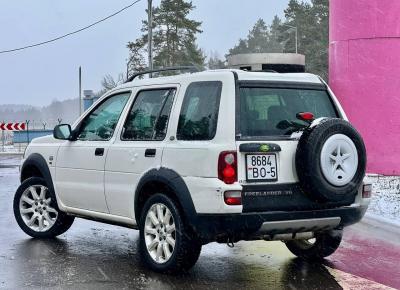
9, 162
8, 166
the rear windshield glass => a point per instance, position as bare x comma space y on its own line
272, 111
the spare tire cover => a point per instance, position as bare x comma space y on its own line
331, 160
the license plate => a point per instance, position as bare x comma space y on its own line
261, 167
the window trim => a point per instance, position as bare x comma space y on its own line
221, 84
274, 85
133, 103
77, 129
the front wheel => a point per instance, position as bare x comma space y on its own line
36, 210
324, 244
167, 244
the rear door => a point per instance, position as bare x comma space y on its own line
267, 137
138, 147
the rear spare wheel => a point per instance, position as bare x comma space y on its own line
331, 161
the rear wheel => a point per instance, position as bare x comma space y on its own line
323, 245
36, 210
167, 244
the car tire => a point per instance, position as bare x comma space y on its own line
36, 210
321, 173
156, 231
325, 244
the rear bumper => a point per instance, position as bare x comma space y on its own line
244, 226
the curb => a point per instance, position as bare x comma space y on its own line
381, 222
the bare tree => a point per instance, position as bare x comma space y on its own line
108, 83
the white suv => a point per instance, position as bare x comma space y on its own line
222, 156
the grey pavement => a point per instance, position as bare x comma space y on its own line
96, 256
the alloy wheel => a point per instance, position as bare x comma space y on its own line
36, 210
160, 233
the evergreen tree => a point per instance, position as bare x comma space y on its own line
320, 55
258, 37
174, 37
312, 22
275, 32
241, 47
137, 60
261, 39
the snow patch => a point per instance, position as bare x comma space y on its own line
351, 282
385, 201
8, 149
11, 149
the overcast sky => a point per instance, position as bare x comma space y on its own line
39, 75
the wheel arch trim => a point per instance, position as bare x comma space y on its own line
38, 161
177, 185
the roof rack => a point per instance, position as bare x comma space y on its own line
191, 69
264, 70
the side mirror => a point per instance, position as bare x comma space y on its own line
62, 132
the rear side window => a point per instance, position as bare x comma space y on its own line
272, 111
199, 114
148, 117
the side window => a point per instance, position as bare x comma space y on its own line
148, 117
100, 124
199, 114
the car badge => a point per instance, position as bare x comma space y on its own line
264, 148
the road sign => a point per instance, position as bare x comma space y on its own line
12, 126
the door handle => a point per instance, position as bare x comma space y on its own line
99, 152
150, 153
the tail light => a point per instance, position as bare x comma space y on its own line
233, 197
367, 190
227, 167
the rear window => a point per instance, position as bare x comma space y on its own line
199, 114
272, 111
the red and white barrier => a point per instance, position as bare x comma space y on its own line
12, 126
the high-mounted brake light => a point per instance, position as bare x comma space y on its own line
227, 167
305, 116
367, 191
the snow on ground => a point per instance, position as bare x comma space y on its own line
11, 149
385, 203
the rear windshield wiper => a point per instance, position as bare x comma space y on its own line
291, 125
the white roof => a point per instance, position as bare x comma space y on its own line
223, 73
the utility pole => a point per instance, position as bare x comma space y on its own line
3, 138
150, 33
80, 91
27, 130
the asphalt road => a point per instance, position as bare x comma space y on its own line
96, 256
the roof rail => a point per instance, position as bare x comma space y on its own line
264, 70
191, 69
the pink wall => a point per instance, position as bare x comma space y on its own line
364, 72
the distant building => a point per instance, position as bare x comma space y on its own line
279, 62
88, 99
